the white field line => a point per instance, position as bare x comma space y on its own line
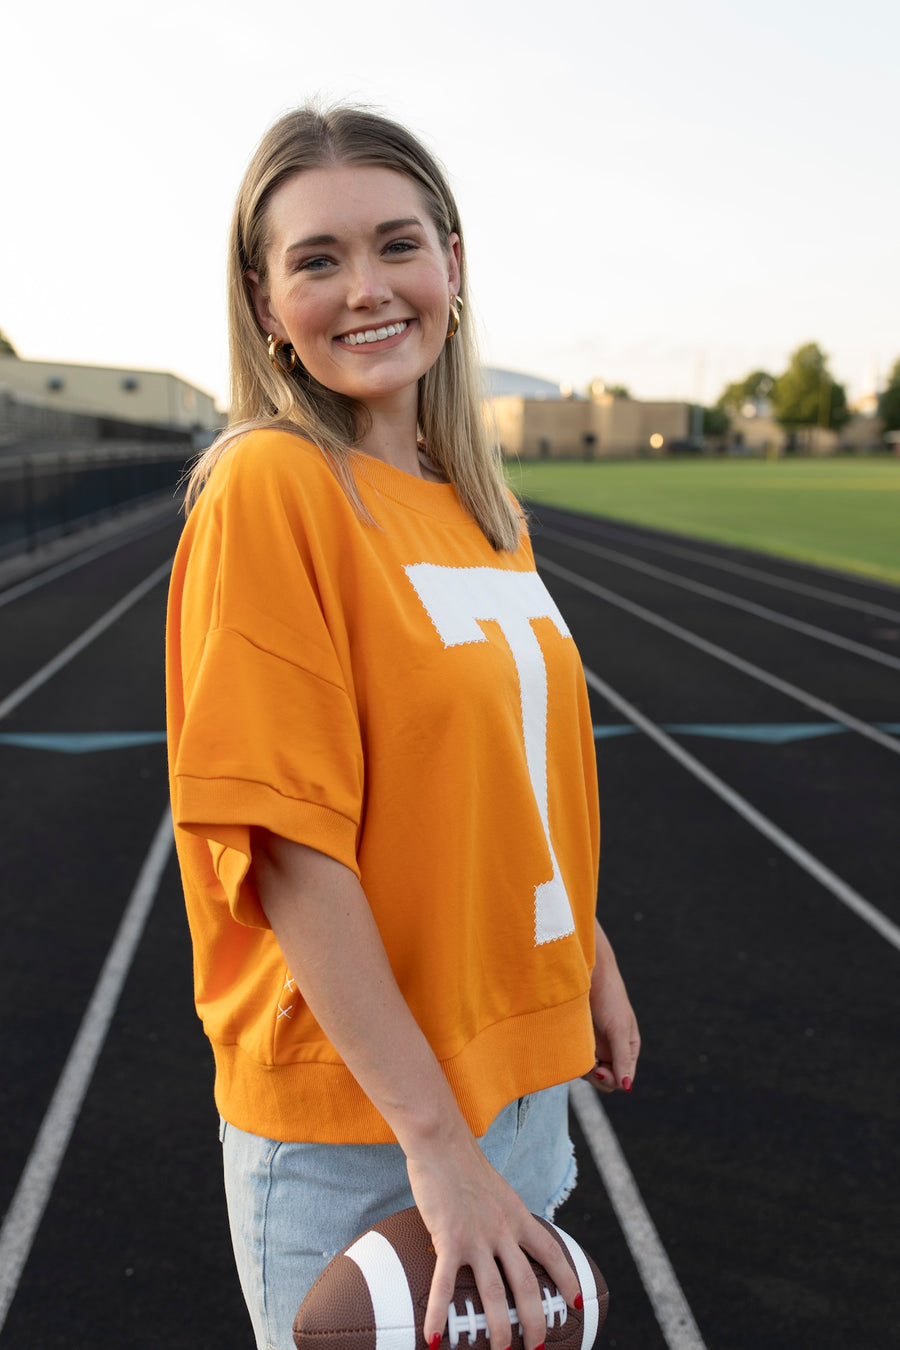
725, 598
756, 573
828, 710
673, 1314
26, 1210
118, 540
78, 645
862, 908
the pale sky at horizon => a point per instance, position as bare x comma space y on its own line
666, 196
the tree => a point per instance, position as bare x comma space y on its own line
6, 347
889, 401
716, 421
758, 385
807, 394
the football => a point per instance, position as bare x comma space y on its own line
373, 1296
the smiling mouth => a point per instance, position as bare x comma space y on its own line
374, 334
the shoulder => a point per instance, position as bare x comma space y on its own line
268, 454
269, 506
271, 473
266, 485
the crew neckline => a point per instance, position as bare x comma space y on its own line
434, 499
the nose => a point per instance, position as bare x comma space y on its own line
368, 286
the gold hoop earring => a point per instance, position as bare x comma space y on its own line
455, 306
275, 346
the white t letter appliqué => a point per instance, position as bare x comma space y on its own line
456, 598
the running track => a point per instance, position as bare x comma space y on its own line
745, 1195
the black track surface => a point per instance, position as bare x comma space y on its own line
763, 1128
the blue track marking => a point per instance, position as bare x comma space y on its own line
762, 733
81, 742
766, 733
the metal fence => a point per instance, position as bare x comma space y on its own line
47, 493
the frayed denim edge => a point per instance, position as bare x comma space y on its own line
569, 1182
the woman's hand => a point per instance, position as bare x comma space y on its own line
618, 1041
476, 1219
330, 941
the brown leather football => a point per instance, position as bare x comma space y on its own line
373, 1296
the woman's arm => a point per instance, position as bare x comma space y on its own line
325, 928
615, 1025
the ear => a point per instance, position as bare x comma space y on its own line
454, 250
267, 320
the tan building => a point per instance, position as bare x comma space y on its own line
762, 435
604, 426
148, 397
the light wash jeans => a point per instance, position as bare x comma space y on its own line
292, 1207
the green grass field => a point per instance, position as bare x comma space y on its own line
841, 513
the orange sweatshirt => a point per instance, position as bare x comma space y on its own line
409, 701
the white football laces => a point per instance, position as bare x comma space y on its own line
470, 1323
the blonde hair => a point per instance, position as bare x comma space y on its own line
450, 414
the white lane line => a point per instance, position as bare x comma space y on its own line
676, 1321
36, 1183
862, 908
87, 637
828, 710
758, 573
725, 598
120, 539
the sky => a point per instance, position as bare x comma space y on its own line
660, 195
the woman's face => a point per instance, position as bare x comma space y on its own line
358, 281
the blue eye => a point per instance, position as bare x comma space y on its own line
401, 246
313, 264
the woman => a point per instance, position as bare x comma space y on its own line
382, 764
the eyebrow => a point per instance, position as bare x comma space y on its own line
386, 226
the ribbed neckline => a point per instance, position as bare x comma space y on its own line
432, 499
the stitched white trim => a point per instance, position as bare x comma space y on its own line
457, 600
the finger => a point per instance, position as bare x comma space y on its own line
609, 1074
603, 1078
543, 1246
440, 1296
492, 1292
625, 1046
526, 1297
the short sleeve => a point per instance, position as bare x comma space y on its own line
262, 719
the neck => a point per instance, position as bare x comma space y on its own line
391, 437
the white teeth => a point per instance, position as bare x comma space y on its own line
375, 334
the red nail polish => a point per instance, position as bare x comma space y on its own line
626, 1083
539, 1347
435, 1341
579, 1302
